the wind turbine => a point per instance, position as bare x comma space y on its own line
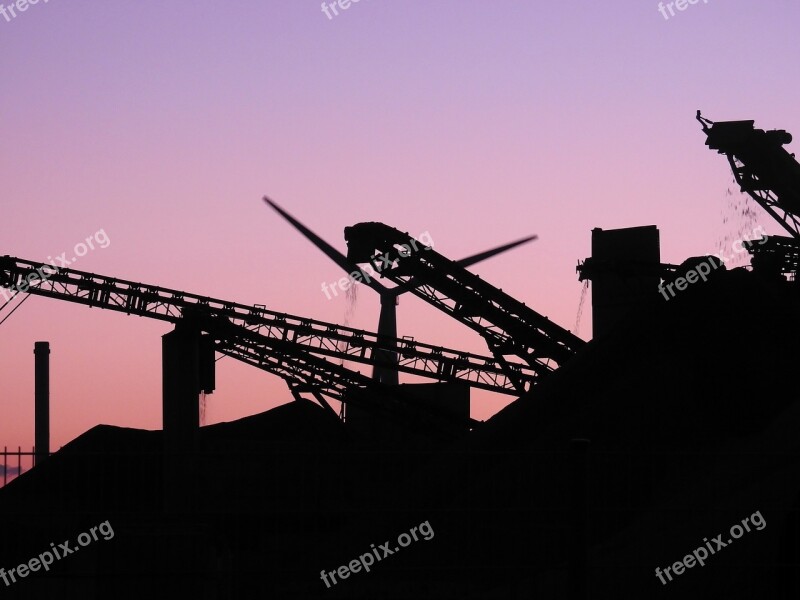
387, 324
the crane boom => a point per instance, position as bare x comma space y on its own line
508, 326
286, 335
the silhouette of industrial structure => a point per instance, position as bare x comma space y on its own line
616, 457
384, 370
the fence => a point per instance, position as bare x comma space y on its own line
10, 471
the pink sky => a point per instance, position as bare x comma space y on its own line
164, 124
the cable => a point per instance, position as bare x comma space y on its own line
2, 308
15, 308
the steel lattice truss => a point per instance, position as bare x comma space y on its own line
776, 252
283, 344
509, 327
760, 191
305, 372
761, 166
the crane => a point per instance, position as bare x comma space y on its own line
509, 327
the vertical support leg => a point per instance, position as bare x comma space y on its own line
181, 414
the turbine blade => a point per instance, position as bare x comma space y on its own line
470, 260
329, 251
476, 258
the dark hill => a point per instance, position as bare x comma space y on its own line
691, 413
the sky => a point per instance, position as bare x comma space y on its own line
158, 127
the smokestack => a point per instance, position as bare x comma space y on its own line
41, 352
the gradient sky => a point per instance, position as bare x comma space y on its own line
164, 124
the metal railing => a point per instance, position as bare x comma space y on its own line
11, 471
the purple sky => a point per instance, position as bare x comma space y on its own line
163, 124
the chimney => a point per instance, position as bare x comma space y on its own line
41, 352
